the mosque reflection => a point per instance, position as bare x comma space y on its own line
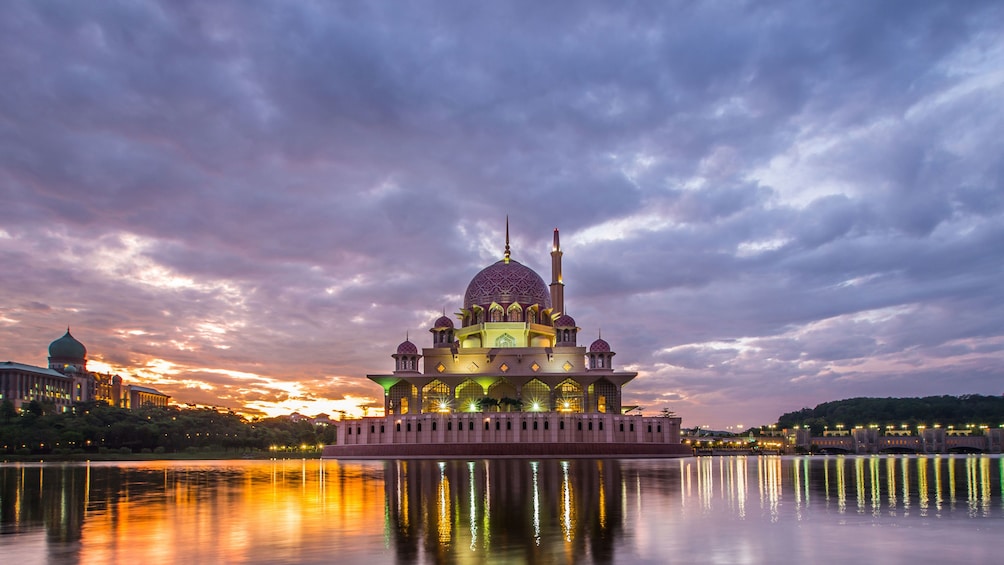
529, 511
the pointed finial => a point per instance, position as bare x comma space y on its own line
506, 257
601, 333
406, 336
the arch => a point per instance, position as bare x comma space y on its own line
531, 314
436, 397
495, 312
504, 394
515, 312
505, 340
607, 396
469, 395
536, 396
398, 398
568, 396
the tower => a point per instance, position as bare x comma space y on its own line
557, 287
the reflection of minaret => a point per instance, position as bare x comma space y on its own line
557, 287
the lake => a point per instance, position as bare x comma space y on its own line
813, 509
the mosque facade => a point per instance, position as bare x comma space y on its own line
66, 381
508, 378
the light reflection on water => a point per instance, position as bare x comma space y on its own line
727, 510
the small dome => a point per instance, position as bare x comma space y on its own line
407, 348
67, 347
564, 321
599, 346
443, 322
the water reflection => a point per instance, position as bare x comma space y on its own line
732, 509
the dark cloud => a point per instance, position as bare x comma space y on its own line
762, 205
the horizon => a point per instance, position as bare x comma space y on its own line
762, 207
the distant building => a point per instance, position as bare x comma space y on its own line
67, 381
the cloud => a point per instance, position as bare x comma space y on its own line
763, 206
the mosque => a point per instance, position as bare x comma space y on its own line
507, 380
67, 381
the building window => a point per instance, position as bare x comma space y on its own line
498, 425
535, 424
631, 428
659, 428
524, 424
561, 425
409, 426
419, 426
449, 426
470, 425
372, 428
350, 430
545, 424
590, 426
508, 424
434, 426
381, 428
650, 428
399, 426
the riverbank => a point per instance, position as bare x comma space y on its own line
181, 456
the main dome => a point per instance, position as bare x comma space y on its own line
506, 283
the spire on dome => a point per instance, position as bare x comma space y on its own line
506, 257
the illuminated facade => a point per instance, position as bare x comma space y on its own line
508, 378
67, 381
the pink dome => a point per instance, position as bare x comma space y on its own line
564, 321
407, 348
506, 283
443, 322
599, 346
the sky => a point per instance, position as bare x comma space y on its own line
763, 205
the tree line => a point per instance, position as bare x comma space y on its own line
97, 427
945, 411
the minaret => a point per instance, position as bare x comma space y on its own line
557, 287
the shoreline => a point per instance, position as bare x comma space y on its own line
198, 456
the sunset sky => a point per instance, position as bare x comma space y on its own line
763, 205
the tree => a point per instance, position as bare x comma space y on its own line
7, 411
667, 413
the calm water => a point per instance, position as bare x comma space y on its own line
709, 510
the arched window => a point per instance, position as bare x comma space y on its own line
436, 397
515, 313
505, 340
536, 396
469, 395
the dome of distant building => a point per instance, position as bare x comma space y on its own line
506, 283
564, 321
443, 322
407, 348
67, 347
599, 346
